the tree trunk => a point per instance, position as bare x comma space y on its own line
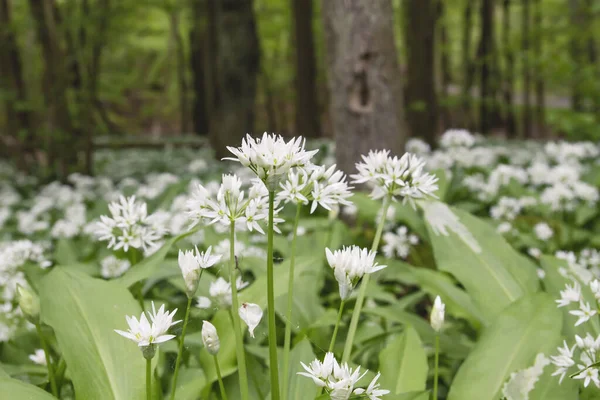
446, 75
468, 66
237, 67
540, 102
527, 118
421, 96
64, 145
308, 121
508, 87
198, 59
363, 76
18, 116
182, 86
487, 95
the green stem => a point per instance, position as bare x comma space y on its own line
435, 373
239, 339
48, 360
149, 379
337, 325
221, 386
179, 354
273, 364
290, 302
363, 286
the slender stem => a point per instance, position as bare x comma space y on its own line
134, 259
149, 379
273, 364
435, 373
337, 325
363, 286
290, 302
48, 361
180, 352
221, 386
239, 339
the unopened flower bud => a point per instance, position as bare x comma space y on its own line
149, 351
29, 303
251, 314
437, 314
210, 338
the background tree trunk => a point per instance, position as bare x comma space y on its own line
508, 87
540, 100
487, 81
181, 62
364, 79
468, 66
526, 67
235, 73
198, 59
308, 115
445, 65
421, 97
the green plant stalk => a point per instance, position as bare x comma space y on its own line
435, 371
53, 386
180, 352
133, 259
149, 379
337, 325
363, 286
290, 302
220, 378
239, 339
273, 364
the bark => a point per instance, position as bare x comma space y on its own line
525, 43
307, 122
508, 87
468, 66
363, 76
180, 63
421, 97
446, 75
18, 116
540, 102
198, 50
235, 73
487, 95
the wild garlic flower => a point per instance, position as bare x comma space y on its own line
210, 338
454, 138
113, 267
522, 382
543, 231
317, 184
148, 333
38, 357
398, 243
191, 264
129, 226
231, 204
417, 146
587, 350
402, 178
271, 157
339, 380
437, 314
251, 314
220, 293
349, 265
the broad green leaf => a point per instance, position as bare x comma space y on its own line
65, 252
491, 271
300, 385
14, 389
530, 326
548, 388
423, 395
458, 302
84, 312
190, 382
403, 363
148, 266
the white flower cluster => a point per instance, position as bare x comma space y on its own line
398, 243
349, 265
129, 226
150, 332
395, 177
220, 294
454, 138
230, 205
522, 382
339, 380
317, 184
271, 157
112, 267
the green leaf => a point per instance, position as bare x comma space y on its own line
83, 312
530, 326
403, 363
491, 271
65, 252
548, 387
148, 266
14, 389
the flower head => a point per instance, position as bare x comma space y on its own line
210, 338
251, 314
191, 264
220, 293
437, 314
349, 265
38, 357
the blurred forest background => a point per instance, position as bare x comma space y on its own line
77, 75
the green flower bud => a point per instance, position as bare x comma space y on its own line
29, 303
